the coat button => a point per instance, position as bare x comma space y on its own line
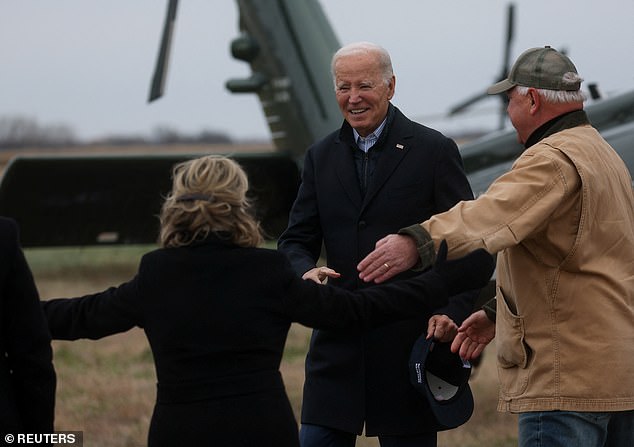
362, 224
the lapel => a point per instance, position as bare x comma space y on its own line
394, 148
344, 165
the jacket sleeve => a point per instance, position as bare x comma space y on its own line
95, 316
514, 207
302, 240
28, 343
450, 181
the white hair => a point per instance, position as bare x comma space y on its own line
383, 58
558, 96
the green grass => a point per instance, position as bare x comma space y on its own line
81, 261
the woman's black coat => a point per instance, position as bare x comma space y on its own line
216, 317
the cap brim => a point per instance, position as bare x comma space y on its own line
450, 411
454, 412
500, 87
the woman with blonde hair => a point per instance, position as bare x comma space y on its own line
216, 310
218, 204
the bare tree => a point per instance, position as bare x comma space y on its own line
19, 131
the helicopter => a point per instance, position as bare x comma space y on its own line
288, 45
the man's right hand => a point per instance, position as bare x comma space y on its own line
474, 334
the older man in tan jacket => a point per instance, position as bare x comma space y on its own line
562, 222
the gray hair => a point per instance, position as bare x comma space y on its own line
558, 96
383, 58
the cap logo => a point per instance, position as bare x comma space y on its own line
419, 374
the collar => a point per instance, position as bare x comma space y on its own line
215, 238
349, 135
557, 124
371, 139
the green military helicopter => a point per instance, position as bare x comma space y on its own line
288, 44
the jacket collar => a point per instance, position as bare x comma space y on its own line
562, 122
218, 238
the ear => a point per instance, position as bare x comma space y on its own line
391, 87
535, 101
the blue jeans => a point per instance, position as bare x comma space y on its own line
318, 436
569, 428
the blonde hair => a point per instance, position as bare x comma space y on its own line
208, 195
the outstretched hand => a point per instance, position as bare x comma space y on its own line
474, 334
320, 274
470, 272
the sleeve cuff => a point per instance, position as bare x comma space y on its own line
489, 308
424, 245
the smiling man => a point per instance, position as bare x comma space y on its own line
379, 172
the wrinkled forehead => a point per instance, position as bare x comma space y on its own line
353, 69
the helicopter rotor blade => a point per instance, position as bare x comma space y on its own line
160, 72
467, 103
510, 26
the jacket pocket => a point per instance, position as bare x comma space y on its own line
512, 352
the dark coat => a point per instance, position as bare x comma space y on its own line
216, 317
357, 378
27, 376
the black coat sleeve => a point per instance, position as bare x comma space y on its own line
302, 240
450, 187
95, 316
328, 307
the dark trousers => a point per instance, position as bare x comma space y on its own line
318, 436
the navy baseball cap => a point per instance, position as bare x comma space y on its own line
442, 377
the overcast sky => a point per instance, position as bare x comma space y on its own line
88, 64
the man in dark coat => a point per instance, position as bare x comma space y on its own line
27, 376
375, 175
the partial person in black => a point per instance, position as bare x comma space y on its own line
27, 376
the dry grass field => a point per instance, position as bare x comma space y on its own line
106, 388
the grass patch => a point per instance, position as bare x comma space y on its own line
69, 262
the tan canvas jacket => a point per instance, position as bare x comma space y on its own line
562, 221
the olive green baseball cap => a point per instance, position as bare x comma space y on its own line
540, 67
